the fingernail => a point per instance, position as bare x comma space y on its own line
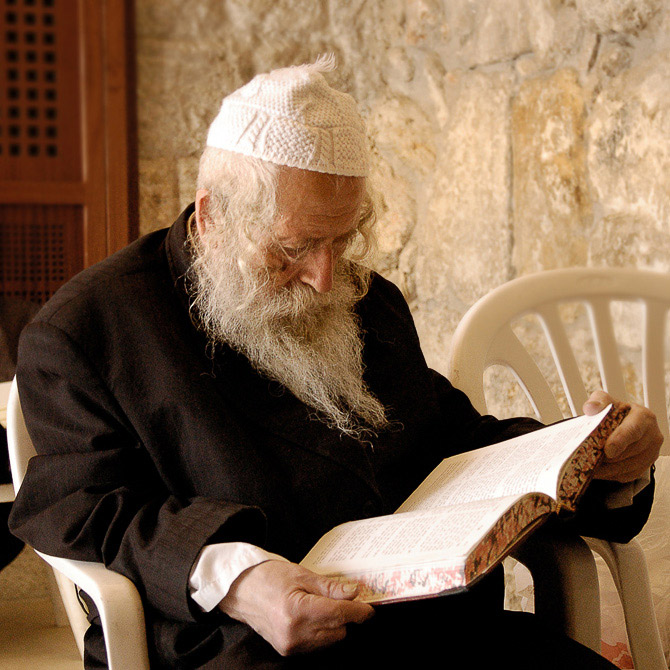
592, 407
349, 589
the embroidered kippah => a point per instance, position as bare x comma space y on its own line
293, 117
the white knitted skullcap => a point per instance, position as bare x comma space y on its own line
293, 117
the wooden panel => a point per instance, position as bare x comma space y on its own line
40, 115
121, 127
93, 130
41, 249
33, 192
67, 149
110, 158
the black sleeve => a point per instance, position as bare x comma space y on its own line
92, 492
618, 524
471, 430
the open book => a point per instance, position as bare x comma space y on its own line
468, 514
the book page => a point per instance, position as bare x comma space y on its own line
401, 539
523, 464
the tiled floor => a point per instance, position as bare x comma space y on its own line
29, 638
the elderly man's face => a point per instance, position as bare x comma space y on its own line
317, 218
285, 302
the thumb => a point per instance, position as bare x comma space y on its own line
596, 402
344, 592
335, 588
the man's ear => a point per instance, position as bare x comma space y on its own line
201, 217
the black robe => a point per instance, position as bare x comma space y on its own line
149, 447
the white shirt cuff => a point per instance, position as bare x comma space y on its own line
219, 565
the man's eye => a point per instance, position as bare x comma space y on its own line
294, 253
345, 240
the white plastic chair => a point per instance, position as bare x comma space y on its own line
485, 337
6, 490
114, 595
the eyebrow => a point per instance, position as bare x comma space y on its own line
285, 241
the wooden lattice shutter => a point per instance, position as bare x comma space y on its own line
67, 177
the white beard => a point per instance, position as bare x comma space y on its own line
309, 342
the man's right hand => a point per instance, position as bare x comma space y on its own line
294, 609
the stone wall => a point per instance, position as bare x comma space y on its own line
509, 136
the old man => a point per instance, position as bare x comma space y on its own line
212, 399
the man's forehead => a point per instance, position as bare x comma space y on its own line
315, 205
314, 189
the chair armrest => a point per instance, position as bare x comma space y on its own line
119, 606
565, 582
628, 566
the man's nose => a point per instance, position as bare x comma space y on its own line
317, 270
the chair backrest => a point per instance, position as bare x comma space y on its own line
4, 396
6, 490
116, 598
21, 448
486, 337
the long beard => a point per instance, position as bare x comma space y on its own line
307, 341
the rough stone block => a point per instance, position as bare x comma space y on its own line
403, 159
180, 87
467, 33
159, 205
552, 207
629, 153
630, 239
187, 178
464, 234
179, 19
625, 16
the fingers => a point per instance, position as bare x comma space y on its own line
330, 588
638, 432
328, 612
294, 609
307, 621
334, 599
597, 402
622, 471
632, 463
633, 446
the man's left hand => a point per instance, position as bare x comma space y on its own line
633, 447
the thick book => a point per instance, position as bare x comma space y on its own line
468, 514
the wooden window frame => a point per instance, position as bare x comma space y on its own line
107, 189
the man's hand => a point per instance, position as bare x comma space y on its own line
294, 609
632, 447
